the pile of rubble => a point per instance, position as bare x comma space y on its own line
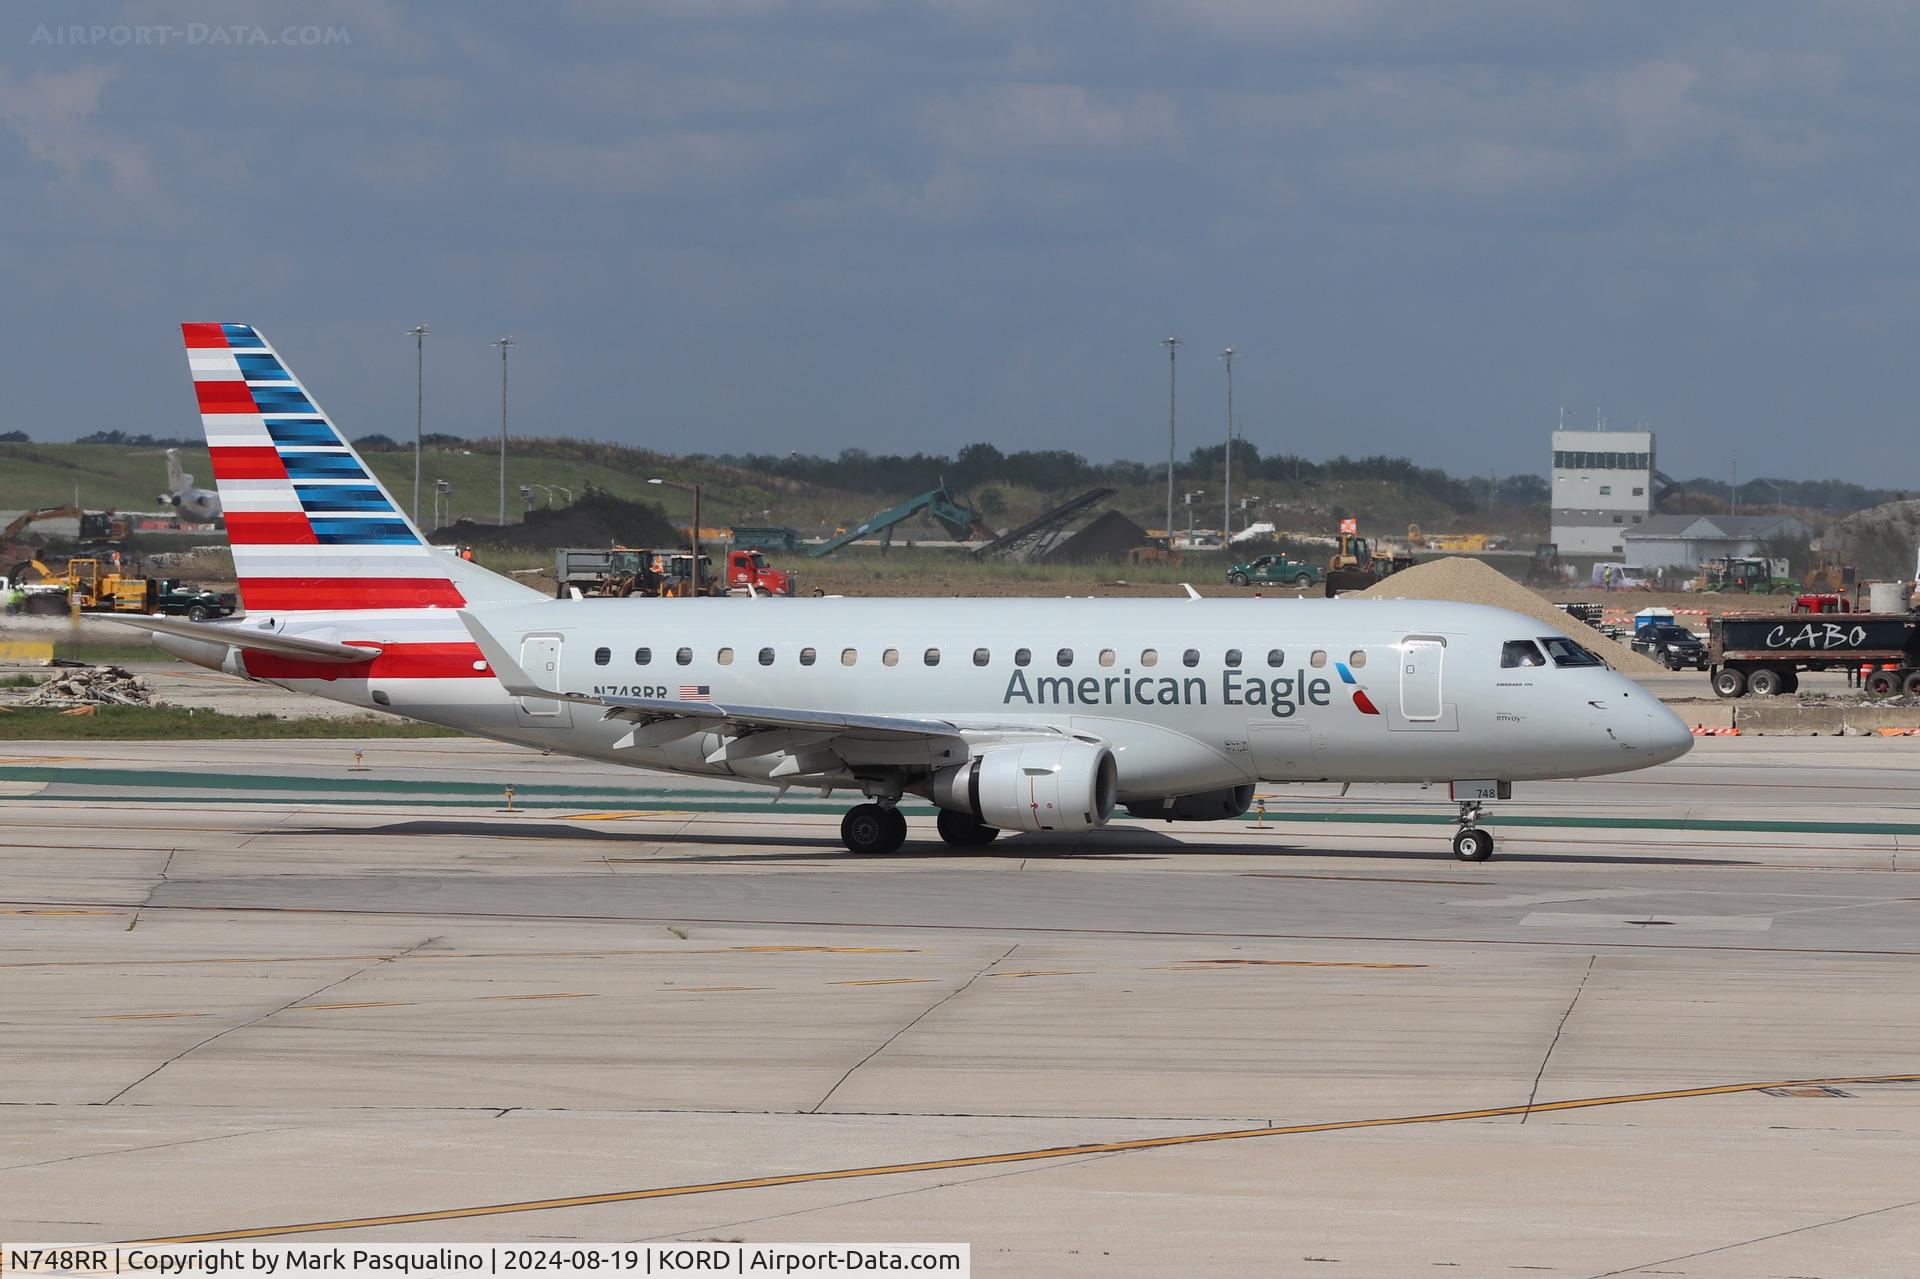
91, 686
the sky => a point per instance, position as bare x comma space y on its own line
746, 225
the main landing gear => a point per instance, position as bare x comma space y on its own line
876, 829
873, 829
1471, 843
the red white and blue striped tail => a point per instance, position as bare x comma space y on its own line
311, 527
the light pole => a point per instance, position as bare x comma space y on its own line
1226, 503
419, 332
503, 344
442, 503
1173, 350
694, 538
1187, 501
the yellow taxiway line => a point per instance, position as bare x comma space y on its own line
1007, 1157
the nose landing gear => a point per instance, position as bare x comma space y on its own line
1471, 843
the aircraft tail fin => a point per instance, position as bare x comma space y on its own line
178, 481
312, 528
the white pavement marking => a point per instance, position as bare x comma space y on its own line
1565, 895
1712, 923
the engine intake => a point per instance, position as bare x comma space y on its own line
1207, 806
1037, 786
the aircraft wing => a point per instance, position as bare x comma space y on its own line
252, 639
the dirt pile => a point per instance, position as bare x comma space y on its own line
1469, 581
597, 519
1880, 540
91, 686
1108, 537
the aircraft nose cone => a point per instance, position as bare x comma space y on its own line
1668, 736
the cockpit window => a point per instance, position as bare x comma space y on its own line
1565, 652
1521, 653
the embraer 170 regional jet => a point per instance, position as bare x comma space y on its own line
1027, 715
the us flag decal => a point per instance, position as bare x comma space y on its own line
695, 692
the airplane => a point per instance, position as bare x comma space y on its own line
194, 505
1034, 715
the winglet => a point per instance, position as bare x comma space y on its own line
1188, 588
511, 675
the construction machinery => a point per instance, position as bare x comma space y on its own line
947, 508
622, 571
1032, 540
1546, 568
1826, 575
1742, 575
1357, 564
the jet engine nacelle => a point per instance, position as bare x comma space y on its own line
1207, 806
1035, 786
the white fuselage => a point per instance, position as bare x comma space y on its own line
1191, 695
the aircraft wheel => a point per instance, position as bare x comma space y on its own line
1473, 845
870, 829
964, 830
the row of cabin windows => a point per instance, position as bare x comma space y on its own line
983, 657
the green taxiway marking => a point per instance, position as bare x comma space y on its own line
184, 786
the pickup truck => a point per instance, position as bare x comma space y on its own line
1274, 570
175, 598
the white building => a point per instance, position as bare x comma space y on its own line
1686, 541
1602, 486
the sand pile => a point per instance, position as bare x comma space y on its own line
1469, 581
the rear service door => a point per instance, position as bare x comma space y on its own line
1421, 659
540, 659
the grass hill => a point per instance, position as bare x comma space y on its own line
803, 495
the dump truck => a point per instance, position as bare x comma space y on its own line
1764, 655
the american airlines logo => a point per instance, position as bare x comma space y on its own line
1281, 695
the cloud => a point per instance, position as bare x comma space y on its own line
1029, 119
52, 113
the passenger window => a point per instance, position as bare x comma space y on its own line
981, 657
890, 658
849, 656
1233, 657
1275, 657
601, 656
1022, 656
766, 657
1106, 657
1318, 659
642, 656
1521, 653
1063, 658
1357, 658
684, 657
1191, 657
1149, 657
1565, 652
807, 656
725, 657
932, 657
